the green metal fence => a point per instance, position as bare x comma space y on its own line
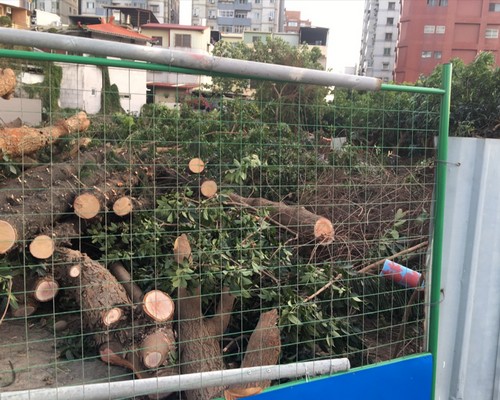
207, 231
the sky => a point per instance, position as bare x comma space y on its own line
344, 18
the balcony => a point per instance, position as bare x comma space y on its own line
234, 21
236, 6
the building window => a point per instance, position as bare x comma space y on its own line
226, 28
431, 2
440, 29
154, 8
212, 14
429, 28
257, 1
443, 3
491, 33
390, 21
392, 5
385, 66
388, 36
387, 51
438, 55
426, 54
157, 40
182, 40
90, 5
255, 39
495, 7
196, 12
240, 15
226, 13
293, 23
243, 1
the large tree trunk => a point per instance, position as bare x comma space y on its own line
263, 347
199, 337
18, 142
309, 227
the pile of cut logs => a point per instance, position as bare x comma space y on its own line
136, 330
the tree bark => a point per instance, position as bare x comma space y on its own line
309, 227
7, 83
263, 347
18, 142
199, 337
123, 276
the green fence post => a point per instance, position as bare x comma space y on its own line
437, 252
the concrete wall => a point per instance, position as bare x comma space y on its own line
81, 87
131, 86
28, 110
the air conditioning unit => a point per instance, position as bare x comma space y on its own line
8, 10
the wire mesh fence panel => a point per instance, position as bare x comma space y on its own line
154, 229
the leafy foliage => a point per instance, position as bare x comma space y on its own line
232, 247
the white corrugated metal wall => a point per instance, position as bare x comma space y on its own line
469, 326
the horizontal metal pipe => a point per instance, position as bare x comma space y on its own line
131, 388
411, 89
183, 59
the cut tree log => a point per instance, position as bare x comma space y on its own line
18, 142
42, 247
86, 205
43, 196
309, 227
112, 316
263, 347
8, 236
155, 348
24, 309
7, 83
30, 290
123, 206
123, 276
158, 305
199, 337
101, 298
44, 289
196, 165
208, 188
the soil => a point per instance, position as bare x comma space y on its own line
30, 359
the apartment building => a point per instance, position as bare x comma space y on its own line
16, 12
293, 21
435, 31
165, 11
63, 8
238, 16
379, 39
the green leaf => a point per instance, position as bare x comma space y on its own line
294, 320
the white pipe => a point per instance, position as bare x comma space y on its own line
126, 389
185, 59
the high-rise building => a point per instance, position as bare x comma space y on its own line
237, 16
435, 31
379, 39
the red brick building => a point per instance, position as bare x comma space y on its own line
433, 32
293, 22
